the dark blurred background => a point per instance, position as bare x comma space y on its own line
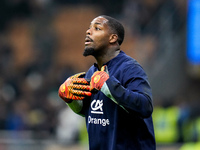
41, 45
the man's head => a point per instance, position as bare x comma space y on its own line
116, 28
103, 32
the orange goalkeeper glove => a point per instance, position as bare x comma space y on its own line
74, 88
98, 79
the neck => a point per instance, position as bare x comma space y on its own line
106, 57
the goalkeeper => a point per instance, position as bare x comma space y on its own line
114, 95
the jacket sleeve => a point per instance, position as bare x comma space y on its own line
76, 106
134, 96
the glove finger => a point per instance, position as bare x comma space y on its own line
75, 81
75, 97
105, 68
80, 93
80, 81
79, 87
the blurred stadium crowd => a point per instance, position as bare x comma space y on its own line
41, 44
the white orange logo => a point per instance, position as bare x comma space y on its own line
96, 107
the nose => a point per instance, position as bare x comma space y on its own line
88, 32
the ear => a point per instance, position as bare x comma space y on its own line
113, 38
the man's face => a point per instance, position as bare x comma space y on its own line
97, 37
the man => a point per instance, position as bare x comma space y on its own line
117, 101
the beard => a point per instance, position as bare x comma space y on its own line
89, 51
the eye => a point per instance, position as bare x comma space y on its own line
97, 28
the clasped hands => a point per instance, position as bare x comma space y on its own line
77, 87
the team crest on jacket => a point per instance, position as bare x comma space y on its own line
97, 106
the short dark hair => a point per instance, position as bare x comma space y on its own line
116, 27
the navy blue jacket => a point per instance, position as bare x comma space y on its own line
119, 116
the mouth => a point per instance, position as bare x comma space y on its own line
88, 40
